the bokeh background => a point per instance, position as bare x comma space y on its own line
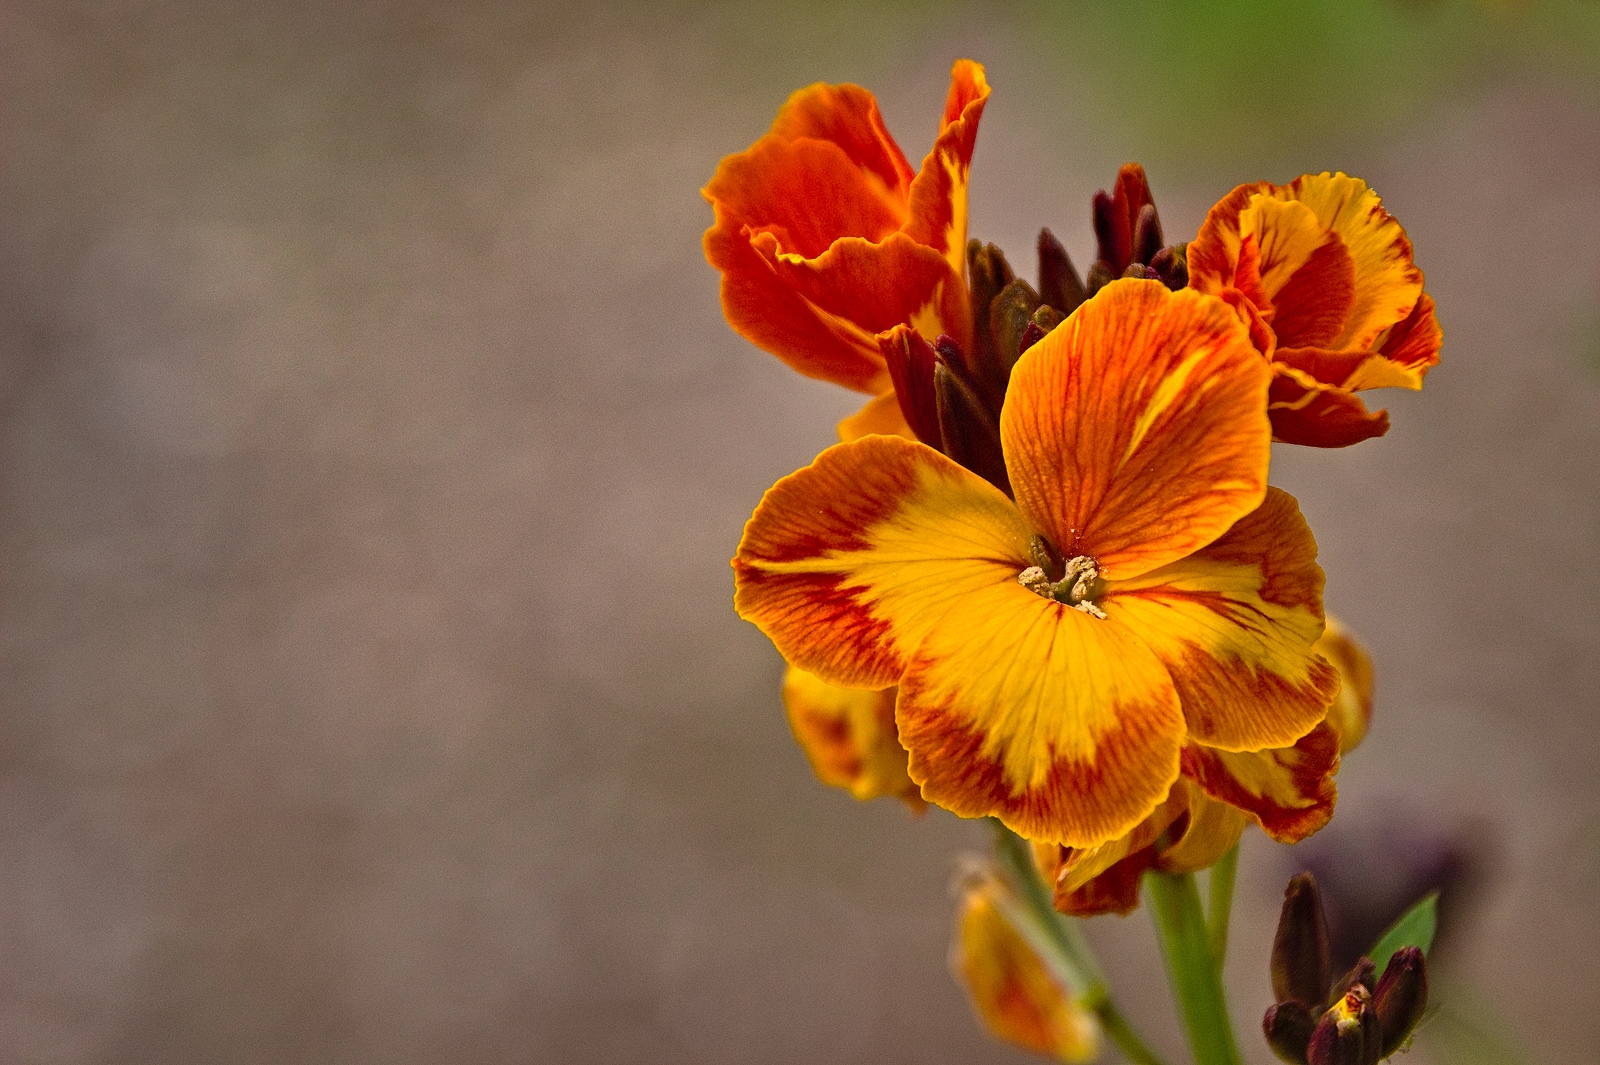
372, 449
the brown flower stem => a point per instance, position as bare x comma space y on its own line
1196, 978
1065, 948
1221, 904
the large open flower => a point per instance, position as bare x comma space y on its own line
1326, 275
825, 238
1054, 655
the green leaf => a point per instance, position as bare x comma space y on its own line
1415, 928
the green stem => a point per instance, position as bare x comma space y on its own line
1065, 947
1196, 981
1217, 914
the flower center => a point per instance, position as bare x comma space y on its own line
1073, 589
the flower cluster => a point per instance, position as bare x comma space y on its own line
1043, 577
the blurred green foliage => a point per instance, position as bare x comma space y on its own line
1199, 80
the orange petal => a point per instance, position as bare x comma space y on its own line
1306, 411
1413, 345
938, 215
881, 416
1062, 725
1289, 791
846, 115
1351, 711
1012, 991
1136, 431
875, 287
849, 562
1234, 624
767, 311
849, 737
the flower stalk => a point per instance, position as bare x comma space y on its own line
1194, 971
1221, 904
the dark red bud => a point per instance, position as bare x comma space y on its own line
969, 432
1288, 1026
1401, 997
1030, 336
911, 360
1059, 284
988, 273
1114, 242
1146, 234
1300, 949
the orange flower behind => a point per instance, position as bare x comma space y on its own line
849, 737
1325, 276
825, 238
1055, 654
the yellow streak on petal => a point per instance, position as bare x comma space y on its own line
1287, 234
955, 234
1168, 391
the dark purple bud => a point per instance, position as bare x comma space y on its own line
1363, 972
1146, 234
1171, 265
1288, 1026
911, 361
1300, 949
1044, 320
988, 273
1114, 243
1401, 997
969, 432
1100, 275
1059, 284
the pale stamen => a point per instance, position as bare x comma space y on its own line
1073, 589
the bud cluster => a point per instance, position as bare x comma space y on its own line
1358, 1020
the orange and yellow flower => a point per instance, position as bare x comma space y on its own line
1325, 276
825, 238
1059, 657
1012, 989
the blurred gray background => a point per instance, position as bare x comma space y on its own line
372, 449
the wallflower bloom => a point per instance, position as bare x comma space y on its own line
825, 238
849, 737
1012, 990
1146, 590
1326, 276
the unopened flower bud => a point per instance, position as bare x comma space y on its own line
1363, 972
1288, 1026
1401, 997
1146, 234
1113, 241
1347, 1034
969, 433
1009, 316
911, 359
1101, 274
1171, 265
1300, 949
988, 273
1059, 284
1044, 319
1138, 270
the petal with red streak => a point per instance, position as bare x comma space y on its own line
848, 563
848, 735
1306, 411
1062, 725
1234, 623
938, 212
1136, 431
1288, 791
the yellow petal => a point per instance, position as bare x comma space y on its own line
849, 562
881, 416
1352, 708
849, 737
1235, 623
1064, 726
1012, 991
